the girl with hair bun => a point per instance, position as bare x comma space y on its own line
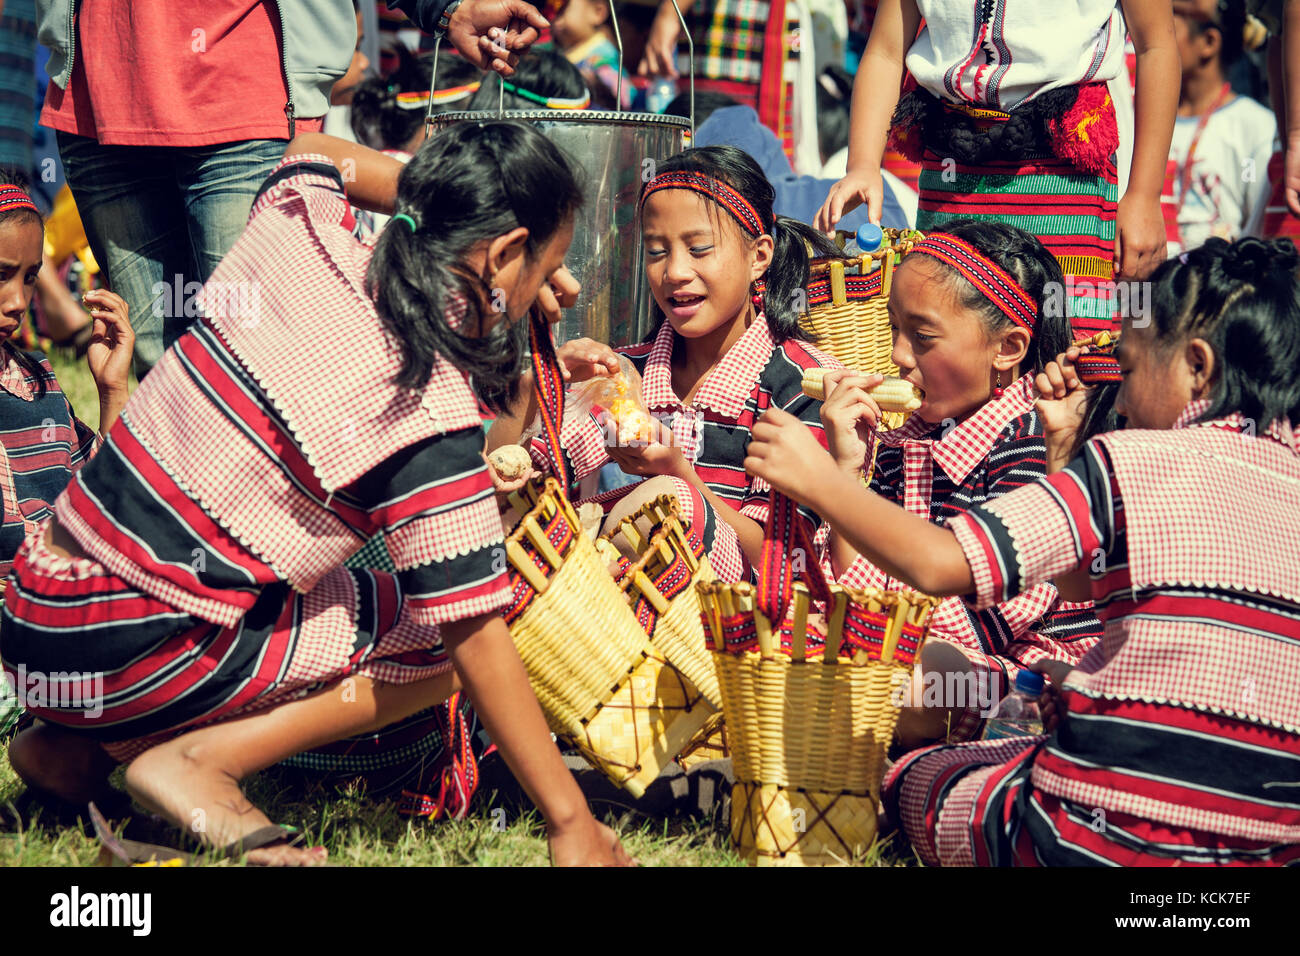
1175, 741
974, 319
728, 280
330, 393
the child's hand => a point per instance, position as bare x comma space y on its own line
1050, 705
659, 457
1062, 398
559, 291
592, 844
848, 194
583, 359
112, 342
786, 454
849, 416
506, 486
1140, 243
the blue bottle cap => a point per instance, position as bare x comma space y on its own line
1027, 682
870, 236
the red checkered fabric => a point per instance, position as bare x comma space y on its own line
1026, 628
1191, 539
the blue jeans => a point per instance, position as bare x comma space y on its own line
160, 218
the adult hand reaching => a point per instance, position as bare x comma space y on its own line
491, 34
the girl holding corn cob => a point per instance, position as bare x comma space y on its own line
727, 275
1176, 740
970, 331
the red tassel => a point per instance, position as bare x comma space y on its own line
1087, 135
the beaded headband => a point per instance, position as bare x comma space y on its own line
986, 275
715, 189
550, 102
11, 197
419, 99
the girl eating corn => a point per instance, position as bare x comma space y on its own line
196, 563
727, 275
970, 331
1177, 740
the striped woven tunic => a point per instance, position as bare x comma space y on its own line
940, 471
42, 445
264, 449
712, 431
1180, 739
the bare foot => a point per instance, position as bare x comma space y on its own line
60, 763
173, 779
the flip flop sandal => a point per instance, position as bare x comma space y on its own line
117, 851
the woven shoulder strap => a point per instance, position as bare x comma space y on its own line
549, 383
787, 555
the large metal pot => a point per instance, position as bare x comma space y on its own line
615, 152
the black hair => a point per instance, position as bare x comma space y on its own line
26, 361
1099, 415
794, 242
470, 183
377, 120
834, 90
1229, 19
546, 72
1243, 300
1036, 270
707, 102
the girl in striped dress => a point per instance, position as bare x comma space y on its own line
1013, 119
193, 571
974, 350
726, 275
1177, 740
42, 442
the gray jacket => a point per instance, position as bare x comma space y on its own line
318, 39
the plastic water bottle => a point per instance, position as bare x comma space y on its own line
869, 237
1018, 715
662, 91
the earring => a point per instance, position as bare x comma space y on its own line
998, 388
756, 297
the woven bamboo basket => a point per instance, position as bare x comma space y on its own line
848, 300
661, 589
602, 684
809, 726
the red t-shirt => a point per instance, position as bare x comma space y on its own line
146, 74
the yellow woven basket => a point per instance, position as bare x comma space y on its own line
661, 589
848, 304
601, 683
809, 731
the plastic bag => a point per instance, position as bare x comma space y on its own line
619, 396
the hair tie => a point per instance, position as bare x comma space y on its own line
403, 217
11, 197
979, 270
722, 194
419, 99
550, 102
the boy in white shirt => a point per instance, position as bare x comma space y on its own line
1222, 142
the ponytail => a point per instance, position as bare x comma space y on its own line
784, 301
467, 185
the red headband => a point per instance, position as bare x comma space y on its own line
11, 197
715, 189
986, 275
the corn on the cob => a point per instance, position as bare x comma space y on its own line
892, 395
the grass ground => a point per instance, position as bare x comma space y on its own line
360, 830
